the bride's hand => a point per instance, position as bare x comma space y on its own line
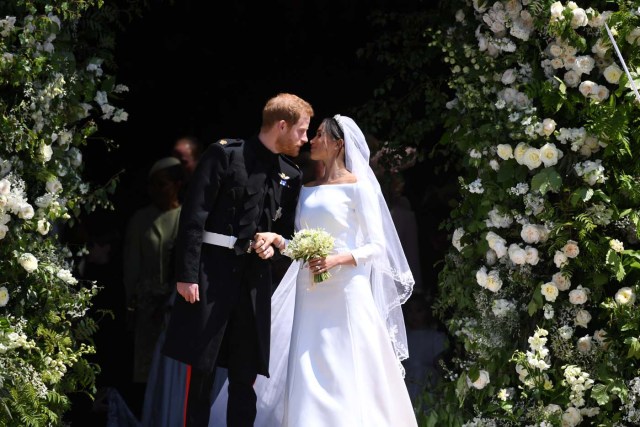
263, 244
320, 265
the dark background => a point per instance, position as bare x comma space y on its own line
206, 68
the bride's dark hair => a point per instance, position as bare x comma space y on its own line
332, 126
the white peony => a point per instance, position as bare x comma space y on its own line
625, 296
28, 262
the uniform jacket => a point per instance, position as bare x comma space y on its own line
238, 188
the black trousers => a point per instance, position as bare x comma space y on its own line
241, 344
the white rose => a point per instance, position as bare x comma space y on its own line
494, 283
532, 158
571, 417
549, 154
455, 240
560, 259
561, 281
556, 11
532, 256
46, 152
28, 262
3, 231
583, 317
548, 126
602, 93
571, 78
549, 291
5, 186
556, 50
491, 257
625, 296
4, 296
25, 211
505, 151
612, 73
517, 255
634, 36
578, 295
530, 233
509, 76
600, 48
53, 185
600, 336
481, 382
571, 249
43, 226
588, 88
579, 18
584, 344
481, 277
518, 152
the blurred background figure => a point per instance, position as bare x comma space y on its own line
148, 267
187, 149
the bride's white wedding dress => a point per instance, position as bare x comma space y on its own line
341, 370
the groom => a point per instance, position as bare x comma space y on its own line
222, 314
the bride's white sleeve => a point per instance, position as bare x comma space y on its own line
269, 391
371, 236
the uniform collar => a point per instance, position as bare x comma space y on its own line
263, 154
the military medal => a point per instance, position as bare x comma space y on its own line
283, 179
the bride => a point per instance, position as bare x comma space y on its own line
337, 345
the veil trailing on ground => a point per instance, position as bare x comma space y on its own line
391, 285
391, 278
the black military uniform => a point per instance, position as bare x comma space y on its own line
238, 188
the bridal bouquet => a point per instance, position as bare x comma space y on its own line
310, 243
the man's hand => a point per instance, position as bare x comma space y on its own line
263, 244
189, 291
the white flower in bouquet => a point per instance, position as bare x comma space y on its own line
66, 276
310, 243
500, 307
517, 255
530, 233
455, 240
481, 382
3, 231
531, 255
556, 10
494, 283
625, 296
549, 154
518, 152
588, 88
28, 262
634, 36
600, 336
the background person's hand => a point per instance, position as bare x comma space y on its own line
189, 291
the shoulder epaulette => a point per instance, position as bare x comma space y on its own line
226, 142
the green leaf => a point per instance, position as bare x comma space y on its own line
548, 179
600, 393
613, 259
581, 195
634, 347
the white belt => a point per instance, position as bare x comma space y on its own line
219, 239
